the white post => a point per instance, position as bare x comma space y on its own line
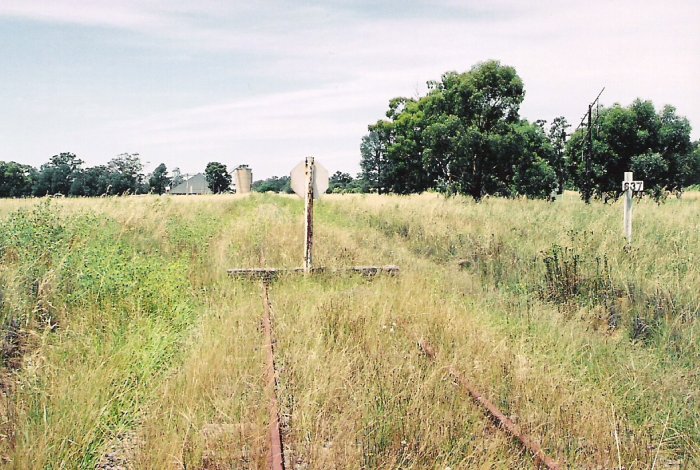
627, 219
309, 220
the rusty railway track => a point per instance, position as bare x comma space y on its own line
492, 411
276, 458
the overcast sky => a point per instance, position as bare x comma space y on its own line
268, 83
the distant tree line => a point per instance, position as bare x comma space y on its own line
338, 182
275, 184
465, 136
64, 174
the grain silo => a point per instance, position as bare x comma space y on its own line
243, 177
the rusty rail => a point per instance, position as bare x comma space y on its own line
495, 414
276, 450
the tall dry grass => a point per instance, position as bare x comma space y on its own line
588, 346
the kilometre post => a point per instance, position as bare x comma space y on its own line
627, 219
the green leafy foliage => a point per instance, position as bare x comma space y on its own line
57, 176
35, 241
218, 177
275, 184
635, 138
159, 179
557, 137
535, 162
340, 182
464, 137
691, 164
87, 275
373, 151
94, 181
125, 174
16, 179
651, 167
65, 175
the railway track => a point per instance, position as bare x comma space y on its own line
276, 458
496, 415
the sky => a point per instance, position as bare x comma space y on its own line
268, 83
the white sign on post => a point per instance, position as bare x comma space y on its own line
300, 184
635, 186
309, 181
629, 186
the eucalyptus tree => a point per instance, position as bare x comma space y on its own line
218, 177
654, 145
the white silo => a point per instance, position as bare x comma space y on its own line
243, 177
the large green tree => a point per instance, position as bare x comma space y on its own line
465, 136
57, 175
654, 145
338, 181
392, 151
533, 154
218, 177
126, 175
159, 179
470, 120
374, 159
16, 179
92, 182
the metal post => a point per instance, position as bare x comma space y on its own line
309, 220
627, 220
589, 156
587, 188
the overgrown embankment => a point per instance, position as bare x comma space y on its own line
97, 305
122, 305
550, 270
570, 254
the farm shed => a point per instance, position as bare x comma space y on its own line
194, 185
